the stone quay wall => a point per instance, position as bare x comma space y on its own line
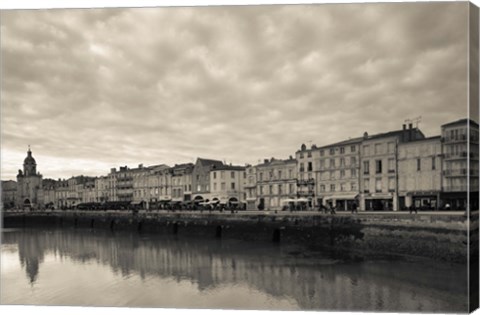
443, 237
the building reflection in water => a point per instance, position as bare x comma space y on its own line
313, 282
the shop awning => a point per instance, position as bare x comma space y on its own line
341, 197
379, 196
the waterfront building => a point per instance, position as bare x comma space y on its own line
9, 193
182, 182
123, 179
306, 170
155, 188
227, 184
460, 167
61, 194
49, 186
102, 191
141, 191
29, 184
276, 183
201, 178
250, 187
420, 174
378, 167
337, 176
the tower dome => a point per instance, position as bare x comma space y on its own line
29, 164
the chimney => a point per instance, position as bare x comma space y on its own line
265, 161
410, 132
404, 133
365, 135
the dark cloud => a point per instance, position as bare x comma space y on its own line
97, 88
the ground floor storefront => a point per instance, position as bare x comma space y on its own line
378, 202
422, 200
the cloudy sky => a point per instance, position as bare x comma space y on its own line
92, 89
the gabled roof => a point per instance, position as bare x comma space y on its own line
397, 133
344, 142
274, 161
225, 167
208, 162
460, 122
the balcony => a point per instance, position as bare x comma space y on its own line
459, 138
305, 182
453, 173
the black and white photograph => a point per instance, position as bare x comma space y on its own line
257, 157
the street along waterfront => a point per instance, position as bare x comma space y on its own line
101, 267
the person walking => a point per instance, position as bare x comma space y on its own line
354, 208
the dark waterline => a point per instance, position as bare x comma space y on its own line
100, 268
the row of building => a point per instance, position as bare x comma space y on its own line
389, 171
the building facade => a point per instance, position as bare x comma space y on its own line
201, 178
227, 184
337, 176
306, 171
379, 170
276, 183
460, 167
420, 174
9, 193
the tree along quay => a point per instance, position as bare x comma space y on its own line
437, 236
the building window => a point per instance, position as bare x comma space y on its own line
332, 175
391, 184
378, 148
302, 169
232, 174
342, 187
261, 176
279, 174
353, 186
309, 154
214, 177
353, 148
332, 163
290, 188
433, 163
322, 188
270, 189
280, 189
378, 185
342, 150
353, 161
342, 174
378, 166
301, 155
353, 173
366, 167
366, 150
332, 151
233, 186
332, 187
342, 162
261, 190
310, 167
391, 147
321, 152
391, 165
419, 164
290, 174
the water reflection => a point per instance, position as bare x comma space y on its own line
75, 267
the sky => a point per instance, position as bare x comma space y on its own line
93, 89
